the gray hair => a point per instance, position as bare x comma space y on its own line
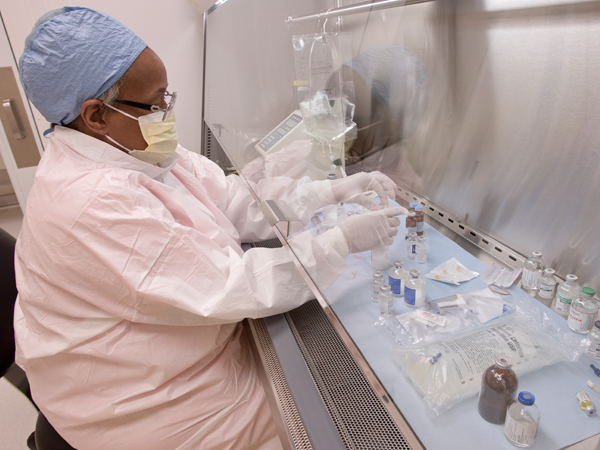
112, 93
108, 97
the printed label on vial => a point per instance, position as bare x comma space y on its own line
546, 290
419, 227
594, 349
521, 433
563, 304
412, 230
396, 285
409, 296
580, 320
530, 278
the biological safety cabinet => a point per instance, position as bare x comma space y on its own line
483, 112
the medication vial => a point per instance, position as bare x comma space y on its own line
565, 294
593, 350
333, 214
585, 403
532, 272
420, 220
421, 250
411, 209
386, 301
414, 291
411, 245
376, 284
498, 386
397, 278
411, 224
522, 420
547, 285
582, 314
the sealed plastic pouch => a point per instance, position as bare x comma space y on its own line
451, 271
530, 341
441, 318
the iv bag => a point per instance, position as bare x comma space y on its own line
448, 371
325, 94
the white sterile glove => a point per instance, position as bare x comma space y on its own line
351, 189
372, 230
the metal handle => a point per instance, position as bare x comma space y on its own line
278, 212
13, 123
355, 9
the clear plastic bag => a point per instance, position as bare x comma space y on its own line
451, 271
441, 318
325, 94
500, 276
448, 371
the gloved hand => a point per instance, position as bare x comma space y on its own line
350, 189
372, 230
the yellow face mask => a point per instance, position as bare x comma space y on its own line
160, 135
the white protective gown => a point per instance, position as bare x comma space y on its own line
132, 283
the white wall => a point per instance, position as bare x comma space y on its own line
173, 29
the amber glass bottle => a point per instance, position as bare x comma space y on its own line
420, 219
498, 386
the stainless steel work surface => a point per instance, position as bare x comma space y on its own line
461, 427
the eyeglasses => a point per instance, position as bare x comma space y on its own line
153, 108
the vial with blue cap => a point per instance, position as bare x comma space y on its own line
522, 420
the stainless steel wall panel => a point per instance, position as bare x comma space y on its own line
509, 142
523, 164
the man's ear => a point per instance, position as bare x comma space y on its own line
92, 115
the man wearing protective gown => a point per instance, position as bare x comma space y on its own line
132, 281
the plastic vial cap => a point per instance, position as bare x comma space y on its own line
413, 234
385, 288
412, 204
503, 362
421, 238
419, 207
415, 273
331, 176
536, 255
399, 263
526, 398
549, 272
597, 324
571, 278
377, 274
337, 162
588, 291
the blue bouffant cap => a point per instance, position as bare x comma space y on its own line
74, 54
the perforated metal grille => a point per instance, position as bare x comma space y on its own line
288, 407
360, 417
269, 243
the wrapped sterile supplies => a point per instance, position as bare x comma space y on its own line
451, 271
447, 371
500, 276
438, 319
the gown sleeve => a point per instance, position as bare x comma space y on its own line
124, 255
239, 199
